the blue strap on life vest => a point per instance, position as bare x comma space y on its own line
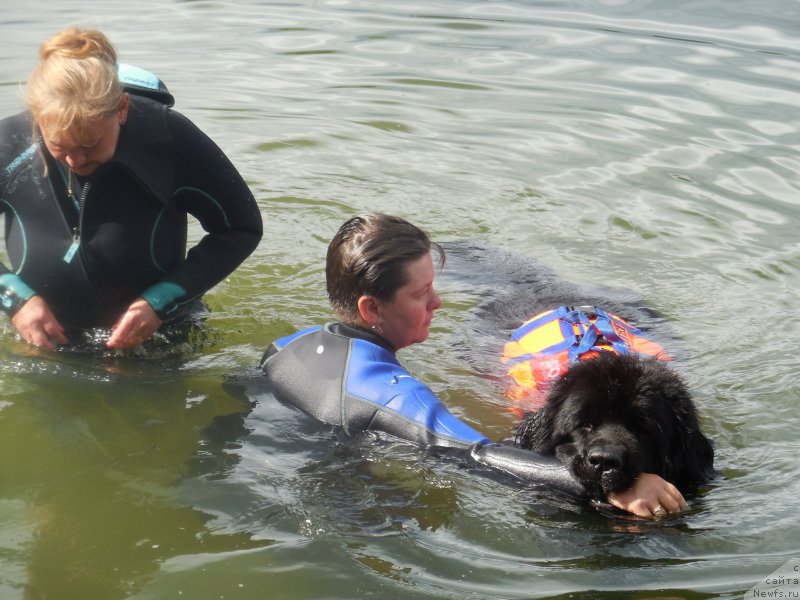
567, 333
605, 325
586, 337
526, 328
588, 334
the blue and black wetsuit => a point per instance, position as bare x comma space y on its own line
123, 233
350, 378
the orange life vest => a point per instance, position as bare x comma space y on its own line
545, 345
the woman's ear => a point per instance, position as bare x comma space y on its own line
369, 311
122, 114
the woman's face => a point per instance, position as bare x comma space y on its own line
406, 319
83, 149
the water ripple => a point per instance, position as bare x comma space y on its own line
642, 145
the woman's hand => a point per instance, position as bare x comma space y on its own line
136, 326
649, 496
37, 325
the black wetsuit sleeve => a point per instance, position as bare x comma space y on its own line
528, 467
14, 292
208, 187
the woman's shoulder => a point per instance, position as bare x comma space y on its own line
15, 129
332, 343
16, 143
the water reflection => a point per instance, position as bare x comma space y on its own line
641, 145
98, 469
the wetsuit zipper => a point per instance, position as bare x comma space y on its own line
76, 231
61, 208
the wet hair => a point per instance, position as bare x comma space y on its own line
368, 256
75, 82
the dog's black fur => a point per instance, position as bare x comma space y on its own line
610, 418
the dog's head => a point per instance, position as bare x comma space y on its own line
612, 417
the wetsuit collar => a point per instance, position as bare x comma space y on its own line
352, 331
145, 147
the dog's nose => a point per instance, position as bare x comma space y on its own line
603, 458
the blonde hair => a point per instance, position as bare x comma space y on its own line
75, 82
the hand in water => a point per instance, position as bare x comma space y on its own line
136, 326
37, 325
649, 496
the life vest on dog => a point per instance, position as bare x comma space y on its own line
544, 346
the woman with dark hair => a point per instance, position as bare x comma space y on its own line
379, 275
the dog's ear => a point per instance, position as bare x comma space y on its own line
535, 430
695, 465
692, 463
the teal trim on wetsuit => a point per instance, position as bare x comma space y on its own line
163, 297
133, 224
208, 197
143, 83
14, 164
13, 292
350, 378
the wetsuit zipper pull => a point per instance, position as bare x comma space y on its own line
73, 247
76, 231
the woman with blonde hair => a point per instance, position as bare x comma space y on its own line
96, 181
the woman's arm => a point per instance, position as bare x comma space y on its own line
208, 187
529, 467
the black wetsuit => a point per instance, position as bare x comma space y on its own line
129, 219
350, 378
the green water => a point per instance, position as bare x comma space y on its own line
639, 145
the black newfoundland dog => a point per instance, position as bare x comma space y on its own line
612, 417
607, 418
